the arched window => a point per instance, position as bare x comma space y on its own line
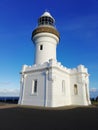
75, 89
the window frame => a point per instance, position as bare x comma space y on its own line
34, 87
75, 89
63, 86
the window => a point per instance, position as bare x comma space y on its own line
34, 86
63, 86
86, 92
45, 21
41, 47
75, 89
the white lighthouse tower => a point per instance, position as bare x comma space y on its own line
47, 82
45, 37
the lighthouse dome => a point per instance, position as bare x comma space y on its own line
46, 14
46, 19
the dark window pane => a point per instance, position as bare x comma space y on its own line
41, 47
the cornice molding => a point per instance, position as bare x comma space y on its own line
45, 29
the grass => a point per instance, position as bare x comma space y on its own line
94, 103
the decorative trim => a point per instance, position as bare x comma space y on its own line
46, 29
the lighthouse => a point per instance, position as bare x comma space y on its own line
47, 82
45, 38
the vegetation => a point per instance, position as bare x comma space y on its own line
94, 101
9, 100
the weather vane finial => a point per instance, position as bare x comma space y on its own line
46, 10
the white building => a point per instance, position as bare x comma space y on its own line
48, 83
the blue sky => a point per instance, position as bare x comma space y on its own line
77, 22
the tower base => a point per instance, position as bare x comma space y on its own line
52, 85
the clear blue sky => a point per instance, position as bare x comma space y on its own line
77, 22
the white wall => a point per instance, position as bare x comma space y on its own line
60, 98
49, 42
38, 98
50, 77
